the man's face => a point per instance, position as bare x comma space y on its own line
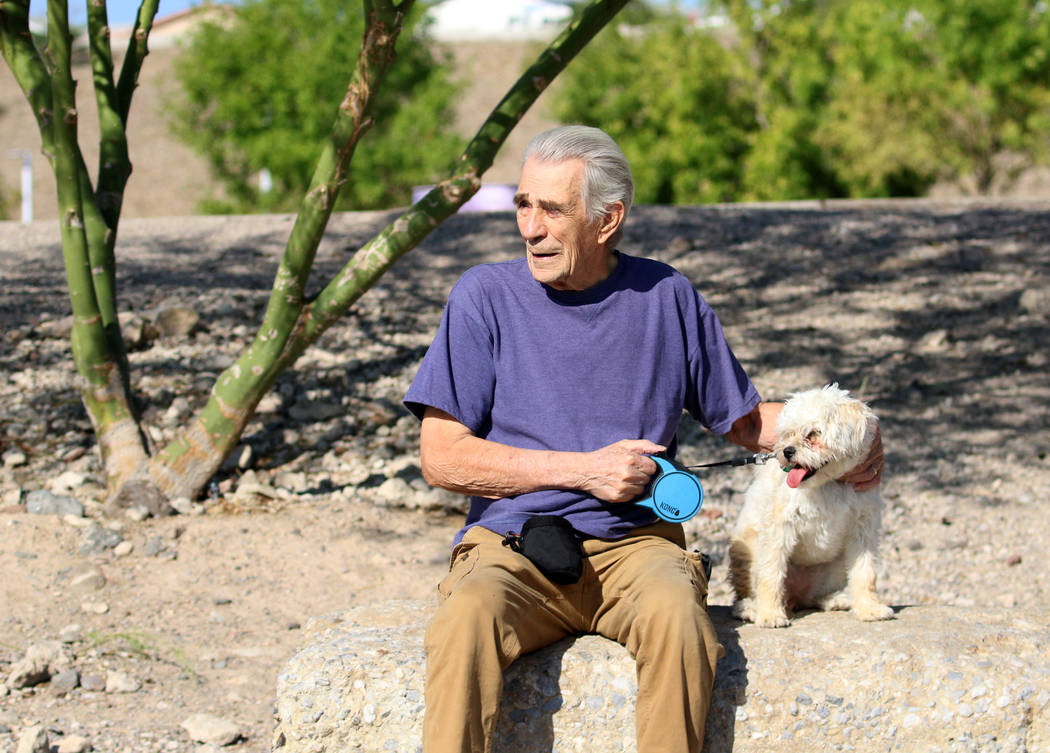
564, 249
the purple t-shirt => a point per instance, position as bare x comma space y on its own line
520, 363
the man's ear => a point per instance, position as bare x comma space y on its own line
611, 222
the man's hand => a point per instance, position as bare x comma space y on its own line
868, 474
619, 472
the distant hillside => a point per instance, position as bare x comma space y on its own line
169, 179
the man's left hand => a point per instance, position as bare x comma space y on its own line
868, 473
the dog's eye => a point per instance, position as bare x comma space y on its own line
813, 436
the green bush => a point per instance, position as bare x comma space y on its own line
260, 91
820, 98
671, 98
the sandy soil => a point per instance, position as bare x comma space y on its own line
936, 313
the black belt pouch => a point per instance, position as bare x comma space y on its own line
552, 545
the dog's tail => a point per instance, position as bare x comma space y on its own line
740, 555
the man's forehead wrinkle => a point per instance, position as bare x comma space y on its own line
524, 196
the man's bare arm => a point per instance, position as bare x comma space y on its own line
757, 431
453, 458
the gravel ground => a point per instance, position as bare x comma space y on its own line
938, 314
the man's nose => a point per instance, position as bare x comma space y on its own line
531, 225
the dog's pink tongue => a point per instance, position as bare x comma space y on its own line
795, 476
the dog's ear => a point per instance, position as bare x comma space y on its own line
859, 421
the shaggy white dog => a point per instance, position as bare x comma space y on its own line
804, 540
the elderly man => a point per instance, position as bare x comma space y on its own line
552, 380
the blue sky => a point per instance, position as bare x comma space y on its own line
122, 12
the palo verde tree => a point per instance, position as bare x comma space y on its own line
89, 213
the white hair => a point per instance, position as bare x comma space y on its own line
606, 175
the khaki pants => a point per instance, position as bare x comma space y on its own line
643, 591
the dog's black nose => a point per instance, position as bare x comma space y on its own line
789, 453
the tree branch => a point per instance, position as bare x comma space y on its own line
406, 232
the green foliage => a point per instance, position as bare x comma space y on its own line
685, 134
146, 645
262, 91
821, 98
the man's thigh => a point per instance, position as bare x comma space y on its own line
489, 584
645, 575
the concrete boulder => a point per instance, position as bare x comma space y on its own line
934, 679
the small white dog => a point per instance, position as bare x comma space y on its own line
804, 540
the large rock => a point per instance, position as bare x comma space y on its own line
934, 679
41, 662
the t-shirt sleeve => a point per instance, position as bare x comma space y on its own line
720, 390
457, 374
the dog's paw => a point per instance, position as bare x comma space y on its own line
771, 617
874, 611
744, 610
839, 600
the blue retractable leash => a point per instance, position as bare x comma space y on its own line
675, 494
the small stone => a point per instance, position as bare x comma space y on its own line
394, 492
94, 607
98, 539
76, 521
70, 454
68, 482
14, 459
137, 513
185, 506
72, 744
93, 683
64, 682
70, 633
33, 740
121, 682
207, 728
1036, 300
294, 481
250, 484
40, 663
90, 580
43, 502
176, 321
154, 546
123, 549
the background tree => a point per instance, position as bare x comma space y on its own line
673, 100
821, 98
245, 108
896, 94
136, 472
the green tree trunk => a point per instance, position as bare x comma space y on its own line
291, 323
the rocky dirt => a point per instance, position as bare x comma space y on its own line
938, 314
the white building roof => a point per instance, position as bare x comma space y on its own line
494, 19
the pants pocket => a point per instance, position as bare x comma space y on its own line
464, 558
698, 572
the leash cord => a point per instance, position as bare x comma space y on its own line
757, 459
